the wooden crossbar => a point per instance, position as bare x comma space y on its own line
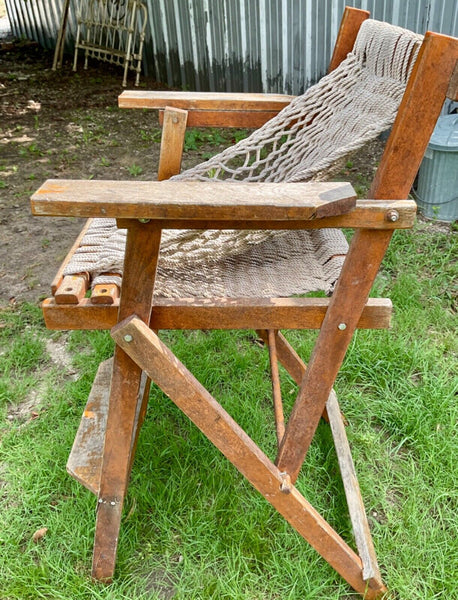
229, 313
152, 356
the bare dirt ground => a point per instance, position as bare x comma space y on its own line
57, 125
67, 125
64, 125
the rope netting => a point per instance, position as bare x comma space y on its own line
347, 108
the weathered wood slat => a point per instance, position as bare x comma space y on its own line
126, 200
203, 100
368, 214
355, 503
193, 200
251, 119
234, 313
85, 458
151, 355
85, 461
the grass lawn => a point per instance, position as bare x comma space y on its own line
193, 528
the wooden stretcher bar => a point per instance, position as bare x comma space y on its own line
234, 313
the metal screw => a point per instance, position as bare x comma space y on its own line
113, 503
128, 338
392, 215
144, 220
342, 326
100, 500
175, 120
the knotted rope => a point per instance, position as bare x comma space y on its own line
347, 108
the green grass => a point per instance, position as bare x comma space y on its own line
192, 526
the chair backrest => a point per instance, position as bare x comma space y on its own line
350, 106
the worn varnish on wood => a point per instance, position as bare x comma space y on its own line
224, 313
193, 200
215, 109
85, 459
203, 100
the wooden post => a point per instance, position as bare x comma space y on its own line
420, 107
276, 391
142, 249
172, 142
60, 43
348, 31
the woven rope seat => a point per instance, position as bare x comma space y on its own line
347, 108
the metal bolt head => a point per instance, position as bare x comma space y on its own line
128, 337
392, 215
144, 220
342, 326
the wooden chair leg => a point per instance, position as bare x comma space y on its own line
358, 273
289, 358
151, 355
142, 250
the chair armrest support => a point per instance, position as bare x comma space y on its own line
211, 109
194, 204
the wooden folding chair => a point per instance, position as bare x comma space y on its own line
140, 356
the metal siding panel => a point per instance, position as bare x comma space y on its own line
243, 45
192, 40
443, 16
246, 45
12, 16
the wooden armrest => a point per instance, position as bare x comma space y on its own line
222, 205
203, 100
193, 200
211, 109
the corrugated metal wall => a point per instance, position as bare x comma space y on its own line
240, 45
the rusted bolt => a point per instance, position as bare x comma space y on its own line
392, 215
144, 220
128, 338
342, 326
286, 485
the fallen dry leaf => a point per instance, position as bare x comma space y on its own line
39, 534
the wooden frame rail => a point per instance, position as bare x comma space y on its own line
210, 109
237, 205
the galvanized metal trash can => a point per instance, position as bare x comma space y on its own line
437, 186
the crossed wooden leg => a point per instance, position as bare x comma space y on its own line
162, 366
139, 350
